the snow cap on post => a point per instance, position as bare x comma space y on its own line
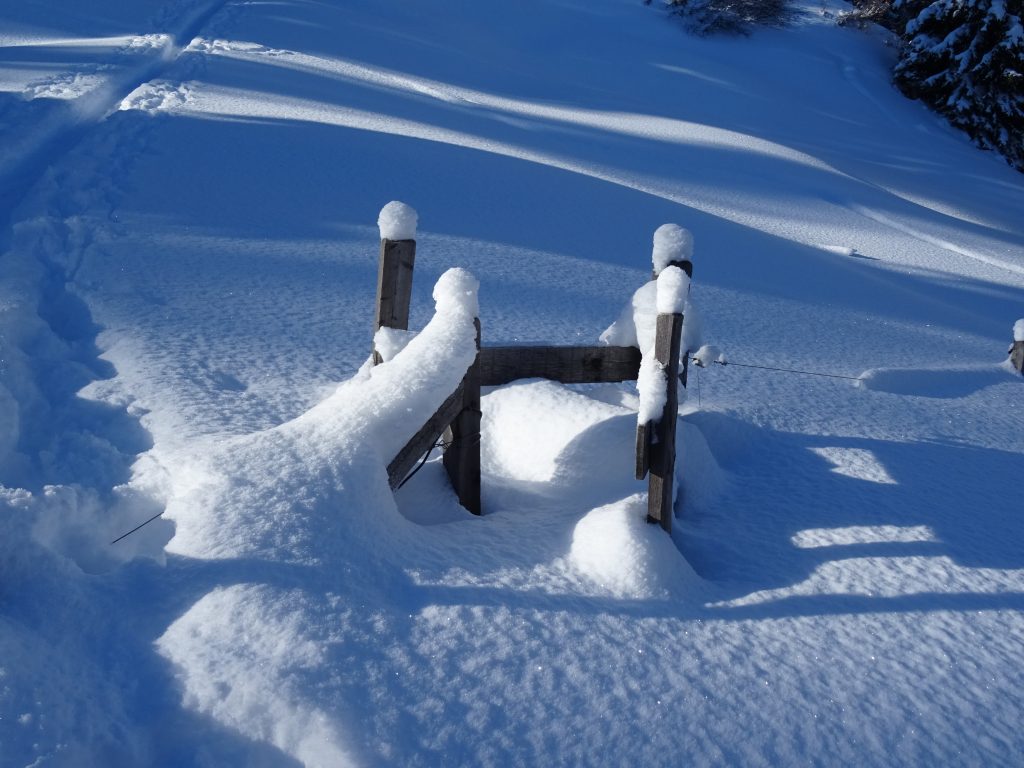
671, 243
456, 293
397, 221
1018, 330
673, 286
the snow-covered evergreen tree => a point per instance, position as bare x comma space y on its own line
710, 16
965, 58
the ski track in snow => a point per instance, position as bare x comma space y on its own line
845, 584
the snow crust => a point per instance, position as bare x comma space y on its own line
1018, 330
671, 243
397, 221
614, 547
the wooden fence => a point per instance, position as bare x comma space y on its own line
457, 422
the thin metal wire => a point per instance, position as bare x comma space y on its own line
140, 525
439, 444
785, 370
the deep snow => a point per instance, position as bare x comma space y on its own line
186, 284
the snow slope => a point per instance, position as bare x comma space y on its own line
186, 287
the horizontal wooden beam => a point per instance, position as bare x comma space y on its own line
569, 365
425, 439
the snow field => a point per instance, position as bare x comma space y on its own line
844, 581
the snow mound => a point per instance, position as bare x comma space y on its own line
671, 243
397, 221
615, 548
516, 446
1018, 330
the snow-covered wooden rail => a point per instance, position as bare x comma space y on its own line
656, 428
457, 421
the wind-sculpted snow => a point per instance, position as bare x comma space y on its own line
260, 495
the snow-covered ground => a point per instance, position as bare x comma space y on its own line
189, 197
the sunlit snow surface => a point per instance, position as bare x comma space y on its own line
189, 204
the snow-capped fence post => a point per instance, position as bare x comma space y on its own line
673, 247
462, 438
659, 434
397, 224
1017, 348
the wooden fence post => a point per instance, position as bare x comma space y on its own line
394, 286
462, 456
1017, 356
686, 265
1017, 348
663, 448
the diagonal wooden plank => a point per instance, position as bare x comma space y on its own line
425, 438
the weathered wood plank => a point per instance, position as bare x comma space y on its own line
569, 365
1017, 356
462, 457
394, 286
643, 449
663, 450
424, 439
